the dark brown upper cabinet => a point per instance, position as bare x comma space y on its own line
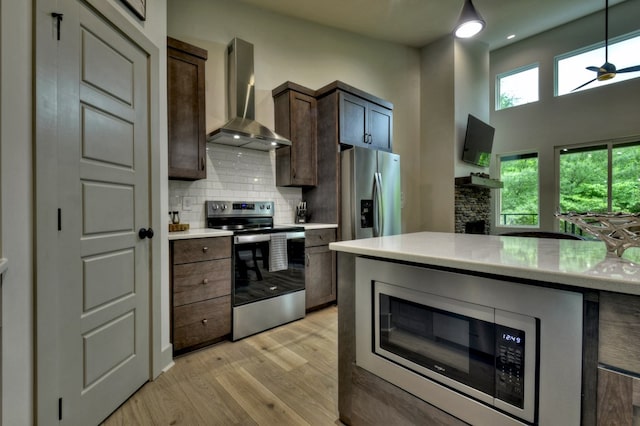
296, 113
186, 110
364, 120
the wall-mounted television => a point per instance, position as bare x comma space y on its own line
478, 142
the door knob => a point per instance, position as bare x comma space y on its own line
145, 233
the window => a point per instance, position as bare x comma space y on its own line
517, 87
520, 192
599, 178
571, 67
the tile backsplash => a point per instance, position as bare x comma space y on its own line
233, 174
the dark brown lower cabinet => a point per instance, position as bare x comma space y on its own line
320, 268
619, 358
200, 292
618, 399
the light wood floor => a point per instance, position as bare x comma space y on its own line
284, 376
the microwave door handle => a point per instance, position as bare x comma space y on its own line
378, 219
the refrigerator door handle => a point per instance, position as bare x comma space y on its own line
378, 219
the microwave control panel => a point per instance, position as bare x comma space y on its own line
510, 365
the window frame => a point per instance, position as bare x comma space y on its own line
498, 205
610, 145
582, 50
524, 68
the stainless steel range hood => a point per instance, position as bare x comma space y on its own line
242, 130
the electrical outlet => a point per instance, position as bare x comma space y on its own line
187, 202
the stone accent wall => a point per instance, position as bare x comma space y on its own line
472, 203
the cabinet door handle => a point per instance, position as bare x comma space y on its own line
307, 260
202, 163
204, 321
205, 249
370, 138
205, 281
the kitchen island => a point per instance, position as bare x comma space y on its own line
609, 321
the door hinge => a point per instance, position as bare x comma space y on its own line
58, 17
59, 408
59, 219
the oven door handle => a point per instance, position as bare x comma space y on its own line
248, 239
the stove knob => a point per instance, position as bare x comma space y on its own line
214, 207
268, 206
223, 207
261, 206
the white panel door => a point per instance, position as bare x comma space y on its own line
103, 195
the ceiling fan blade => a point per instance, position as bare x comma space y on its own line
630, 69
582, 85
596, 69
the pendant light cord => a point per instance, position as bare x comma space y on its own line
606, 31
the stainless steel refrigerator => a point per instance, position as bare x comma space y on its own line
370, 193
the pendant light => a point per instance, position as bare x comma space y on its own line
470, 22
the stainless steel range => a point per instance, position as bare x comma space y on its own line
268, 283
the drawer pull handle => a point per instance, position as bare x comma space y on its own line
204, 321
205, 249
205, 281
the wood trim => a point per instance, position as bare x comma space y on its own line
187, 48
346, 333
590, 358
288, 85
339, 85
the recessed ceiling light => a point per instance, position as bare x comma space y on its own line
509, 37
236, 136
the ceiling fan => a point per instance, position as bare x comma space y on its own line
607, 71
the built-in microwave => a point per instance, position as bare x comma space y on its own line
486, 353
486, 350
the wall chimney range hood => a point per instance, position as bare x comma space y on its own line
243, 130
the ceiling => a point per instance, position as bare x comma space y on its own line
417, 23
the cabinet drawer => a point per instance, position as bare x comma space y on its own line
193, 282
319, 237
199, 249
201, 322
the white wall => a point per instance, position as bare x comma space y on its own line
16, 180
454, 83
310, 55
594, 115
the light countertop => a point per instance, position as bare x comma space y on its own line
198, 233
582, 264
